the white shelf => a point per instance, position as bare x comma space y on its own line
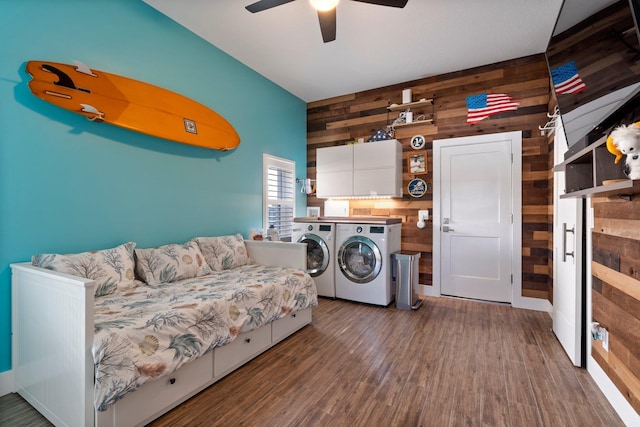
414, 123
401, 107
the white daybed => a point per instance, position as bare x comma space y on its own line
53, 333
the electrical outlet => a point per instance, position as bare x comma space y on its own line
605, 338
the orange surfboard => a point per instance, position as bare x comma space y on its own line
131, 104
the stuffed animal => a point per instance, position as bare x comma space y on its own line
625, 140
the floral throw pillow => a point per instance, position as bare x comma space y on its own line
223, 252
169, 263
112, 269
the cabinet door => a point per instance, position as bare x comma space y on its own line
334, 159
334, 184
377, 169
377, 182
376, 155
334, 166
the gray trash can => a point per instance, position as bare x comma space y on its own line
406, 274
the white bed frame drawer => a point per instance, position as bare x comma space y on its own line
242, 349
155, 396
282, 328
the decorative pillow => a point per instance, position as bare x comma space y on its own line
169, 263
223, 252
112, 269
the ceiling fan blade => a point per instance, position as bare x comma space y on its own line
328, 25
261, 5
390, 3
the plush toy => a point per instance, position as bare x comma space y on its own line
625, 140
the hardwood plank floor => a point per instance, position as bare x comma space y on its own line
452, 362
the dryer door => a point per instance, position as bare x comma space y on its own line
359, 259
317, 254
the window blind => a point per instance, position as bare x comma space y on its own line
279, 190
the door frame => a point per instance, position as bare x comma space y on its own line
576, 208
517, 300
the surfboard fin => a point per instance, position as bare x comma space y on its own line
63, 79
99, 116
83, 68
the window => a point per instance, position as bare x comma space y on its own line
279, 196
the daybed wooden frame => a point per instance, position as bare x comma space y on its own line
52, 332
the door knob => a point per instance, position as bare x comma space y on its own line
446, 229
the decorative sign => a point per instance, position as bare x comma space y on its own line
417, 142
417, 187
417, 163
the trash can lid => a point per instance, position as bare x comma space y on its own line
406, 254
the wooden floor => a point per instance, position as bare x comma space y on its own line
450, 363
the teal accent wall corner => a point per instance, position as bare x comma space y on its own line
70, 185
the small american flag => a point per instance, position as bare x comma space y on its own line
566, 79
484, 105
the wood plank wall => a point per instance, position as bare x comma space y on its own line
616, 292
345, 118
597, 49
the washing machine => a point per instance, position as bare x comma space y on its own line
363, 263
320, 239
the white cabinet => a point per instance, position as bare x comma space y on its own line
334, 171
360, 170
377, 169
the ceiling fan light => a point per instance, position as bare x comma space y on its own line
324, 5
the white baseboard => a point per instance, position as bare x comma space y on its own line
429, 291
625, 411
6, 383
528, 303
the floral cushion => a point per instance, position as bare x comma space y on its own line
169, 263
112, 269
223, 252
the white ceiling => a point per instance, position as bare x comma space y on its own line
375, 46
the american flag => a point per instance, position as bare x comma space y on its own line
566, 79
484, 105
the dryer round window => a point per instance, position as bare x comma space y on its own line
360, 259
317, 254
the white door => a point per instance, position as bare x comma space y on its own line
567, 259
475, 225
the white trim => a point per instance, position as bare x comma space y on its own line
516, 199
285, 164
528, 303
7, 383
624, 410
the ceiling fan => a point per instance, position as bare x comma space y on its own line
326, 11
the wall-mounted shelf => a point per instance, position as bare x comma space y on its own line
587, 171
414, 123
402, 107
415, 106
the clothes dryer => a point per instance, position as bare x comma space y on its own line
363, 264
320, 239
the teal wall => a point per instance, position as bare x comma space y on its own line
70, 185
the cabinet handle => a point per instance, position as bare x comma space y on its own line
247, 340
565, 230
172, 381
